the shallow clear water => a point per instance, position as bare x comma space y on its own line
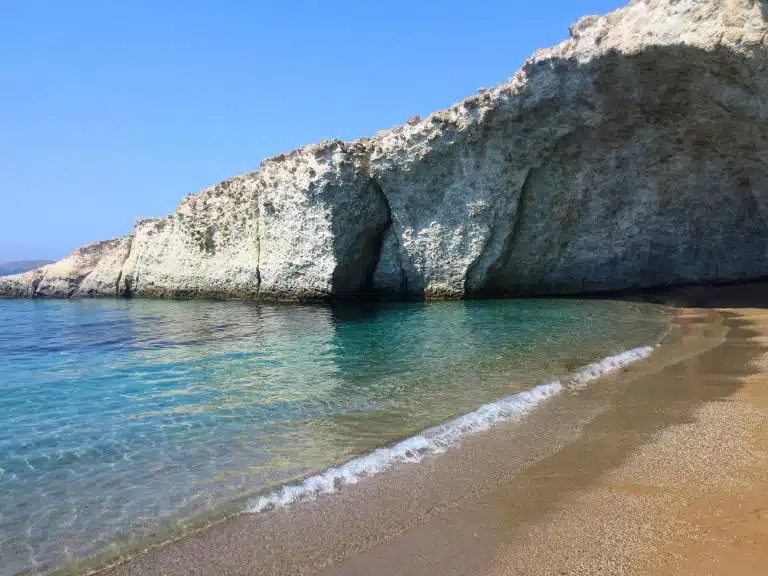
118, 417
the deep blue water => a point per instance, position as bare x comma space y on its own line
119, 418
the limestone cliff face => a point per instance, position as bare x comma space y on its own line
207, 247
634, 154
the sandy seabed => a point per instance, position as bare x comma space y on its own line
661, 468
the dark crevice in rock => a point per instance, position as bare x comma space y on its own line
494, 283
131, 238
377, 236
358, 227
379, 240
391, 224
525, 190
122, 264
131, 282
77, 282
35, 283
470, 291
491, 284
117, 283
377, 189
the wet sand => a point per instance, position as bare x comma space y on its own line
659, 469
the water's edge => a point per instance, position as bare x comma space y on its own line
440, 438
433, 441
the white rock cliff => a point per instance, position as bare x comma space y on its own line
634, 154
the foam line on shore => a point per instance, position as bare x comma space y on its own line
438, 439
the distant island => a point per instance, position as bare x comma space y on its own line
20, 266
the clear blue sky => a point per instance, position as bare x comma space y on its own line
112, 111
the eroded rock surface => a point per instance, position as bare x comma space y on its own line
634, 154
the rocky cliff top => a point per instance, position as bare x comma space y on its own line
738, 25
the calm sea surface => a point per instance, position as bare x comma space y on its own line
122, 418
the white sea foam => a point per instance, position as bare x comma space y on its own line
593, 371
440, 438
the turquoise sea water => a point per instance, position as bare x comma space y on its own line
122, 418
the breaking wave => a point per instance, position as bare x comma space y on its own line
440, 438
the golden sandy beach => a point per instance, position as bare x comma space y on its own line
659, 469
693, 500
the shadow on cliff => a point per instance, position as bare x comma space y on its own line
643, 170
657, 177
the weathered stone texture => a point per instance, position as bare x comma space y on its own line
634, 154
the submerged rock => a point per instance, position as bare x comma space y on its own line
634, 154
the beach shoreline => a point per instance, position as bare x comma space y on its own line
615, 487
